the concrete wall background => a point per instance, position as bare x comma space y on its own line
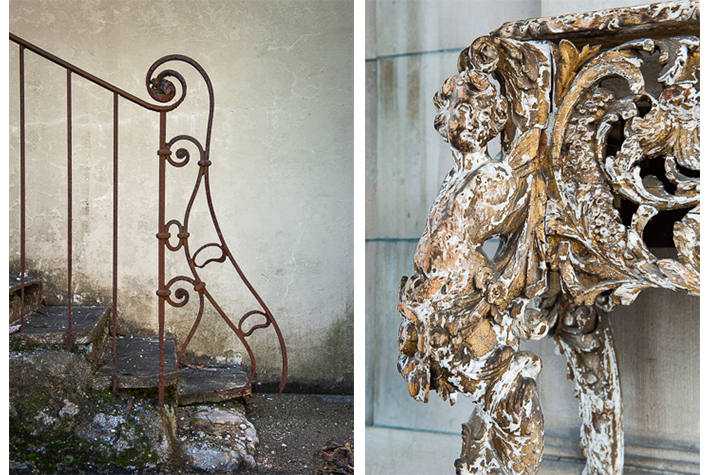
281, 174
411, 47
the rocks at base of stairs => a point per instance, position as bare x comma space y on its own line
57, 423
138, 436
217, 438
40, 381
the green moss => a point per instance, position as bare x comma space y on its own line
62, 450
338, 346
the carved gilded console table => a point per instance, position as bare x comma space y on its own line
598, 117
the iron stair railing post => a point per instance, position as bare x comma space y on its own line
69, 208
114, 298
22, 189
163, 236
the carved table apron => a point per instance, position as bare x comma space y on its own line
598, 117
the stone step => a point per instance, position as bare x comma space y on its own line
209, 383
137, 368
137, 358
47, 327
136, 364
33, 297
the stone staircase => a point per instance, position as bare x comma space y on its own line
136, 358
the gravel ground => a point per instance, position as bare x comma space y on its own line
292, 427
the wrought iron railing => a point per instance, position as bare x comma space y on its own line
163, 91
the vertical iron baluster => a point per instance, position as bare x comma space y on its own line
114, 380
163, 153
22, 189
69, 207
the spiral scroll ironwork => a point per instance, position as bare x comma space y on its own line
161, 89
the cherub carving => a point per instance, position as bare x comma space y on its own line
461, 319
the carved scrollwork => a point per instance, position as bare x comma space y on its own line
589, 178
578, 129
584, 337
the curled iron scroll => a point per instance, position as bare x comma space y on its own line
160, 88
163, 90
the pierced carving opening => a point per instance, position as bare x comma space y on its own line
617, 86
653, 174
626, 209
643, 105
614, 139
490, 247
688, 172
494, 146
659, 230
651, 68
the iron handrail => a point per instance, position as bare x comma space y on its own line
162, 90
96, 80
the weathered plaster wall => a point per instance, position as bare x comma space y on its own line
411, 48
281, 172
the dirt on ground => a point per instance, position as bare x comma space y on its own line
293, 427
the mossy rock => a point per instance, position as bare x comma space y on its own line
59, 425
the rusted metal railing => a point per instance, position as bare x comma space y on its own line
163, 91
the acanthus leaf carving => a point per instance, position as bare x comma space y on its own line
588, 178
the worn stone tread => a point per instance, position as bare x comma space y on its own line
48, 325
201, 385
15, 283
33, 298
137, 362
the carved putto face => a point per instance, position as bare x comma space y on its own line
470, 111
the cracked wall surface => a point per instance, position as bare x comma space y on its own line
281, 174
